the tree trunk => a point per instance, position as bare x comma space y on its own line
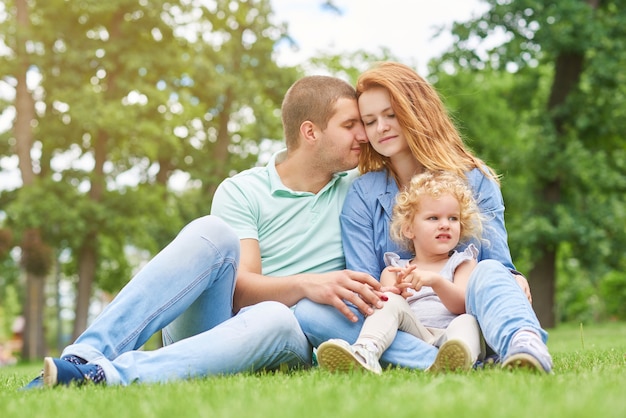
542, 285
568, 69
88, 255
34, 346
86, 274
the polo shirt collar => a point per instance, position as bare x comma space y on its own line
276, 184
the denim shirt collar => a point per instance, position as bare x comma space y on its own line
387, 198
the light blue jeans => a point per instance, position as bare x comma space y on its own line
186, 290
492, 296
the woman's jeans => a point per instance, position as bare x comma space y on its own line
492, 296
186, 290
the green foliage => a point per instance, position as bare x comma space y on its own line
612, 291
9, 310
130, 94
350, 65
550, 118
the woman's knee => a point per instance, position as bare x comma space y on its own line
487, 271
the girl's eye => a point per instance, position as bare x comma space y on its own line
368, 123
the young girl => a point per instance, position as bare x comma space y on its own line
426, 294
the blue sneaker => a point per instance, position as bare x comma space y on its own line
528, 351
36, 383
61, 372
488, 362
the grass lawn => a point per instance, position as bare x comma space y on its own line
589, 381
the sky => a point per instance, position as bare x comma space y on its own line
406, 27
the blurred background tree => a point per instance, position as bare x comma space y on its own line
546, 107
114, 102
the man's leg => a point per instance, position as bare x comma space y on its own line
196, 271
263, 336
323, 322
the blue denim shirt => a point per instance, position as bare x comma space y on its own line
367, 212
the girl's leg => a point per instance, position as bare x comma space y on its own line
382, 326
465, 328
323, 322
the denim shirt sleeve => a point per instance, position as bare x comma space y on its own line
488, 195
358, 231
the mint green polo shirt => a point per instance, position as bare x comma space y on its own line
298, 232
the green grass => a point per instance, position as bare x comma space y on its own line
588, 381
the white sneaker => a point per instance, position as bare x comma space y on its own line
528, 351
453, 355
338, 355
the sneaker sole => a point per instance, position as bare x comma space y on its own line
337, 359
523, 361
452, 356
50, 372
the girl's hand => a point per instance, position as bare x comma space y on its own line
391, 289
404, 279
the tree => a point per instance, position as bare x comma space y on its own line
566, 57
144, 90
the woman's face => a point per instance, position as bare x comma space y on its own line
381, 126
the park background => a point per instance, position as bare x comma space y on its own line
123, 116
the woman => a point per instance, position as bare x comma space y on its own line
409, 131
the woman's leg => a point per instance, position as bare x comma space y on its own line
506, 317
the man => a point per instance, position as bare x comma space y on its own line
275, 229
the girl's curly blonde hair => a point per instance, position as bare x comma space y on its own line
435, 184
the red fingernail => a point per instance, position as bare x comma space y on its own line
384, 297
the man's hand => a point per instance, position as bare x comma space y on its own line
339, 287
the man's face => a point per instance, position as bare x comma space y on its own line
339, 148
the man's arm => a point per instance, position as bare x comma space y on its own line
332, 288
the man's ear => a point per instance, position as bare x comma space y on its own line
308, 131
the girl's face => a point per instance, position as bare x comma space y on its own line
436, 227
381, 126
